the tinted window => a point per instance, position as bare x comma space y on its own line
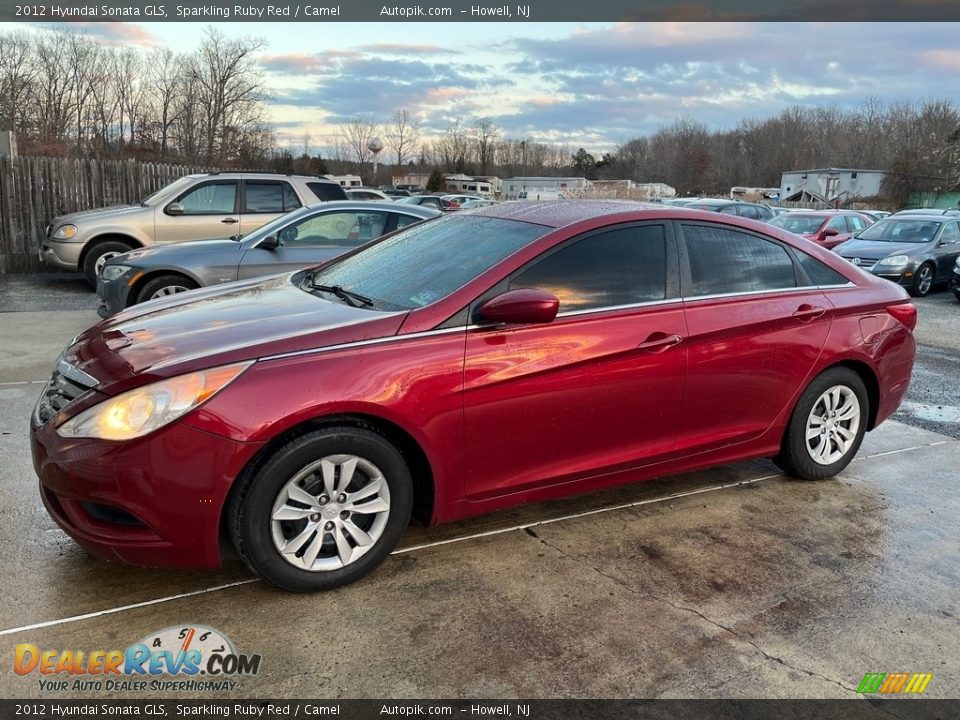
617, 267
269, 197
327, 191
404, 220
351, 227
819, 273
218, 198
727, 261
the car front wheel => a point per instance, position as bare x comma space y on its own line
322, 511
165, 285
922, 281
827, 426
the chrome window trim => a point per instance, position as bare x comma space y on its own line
372, 341
611, 308
752, 293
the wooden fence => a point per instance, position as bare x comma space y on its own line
34, 190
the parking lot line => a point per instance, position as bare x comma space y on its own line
463, 538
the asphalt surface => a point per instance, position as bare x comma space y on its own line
734, 582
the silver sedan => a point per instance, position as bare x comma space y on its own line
304, 237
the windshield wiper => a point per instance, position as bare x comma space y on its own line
346, 295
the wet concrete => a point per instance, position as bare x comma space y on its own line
692, 586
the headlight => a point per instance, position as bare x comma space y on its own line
112, 272
65, 232
145, 409
895, 260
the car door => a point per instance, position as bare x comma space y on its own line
595, 391
207, 210
264, 200
315, 239
948, 250
755, 329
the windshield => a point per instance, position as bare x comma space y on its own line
914, 230
427, 262
170, 190
800, 224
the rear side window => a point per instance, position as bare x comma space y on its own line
749, 211
269, 197
616, 267
819, 273
724, 261
327, 191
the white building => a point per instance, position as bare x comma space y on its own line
828, 185
512, 187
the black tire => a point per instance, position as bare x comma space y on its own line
795, 455
108, 247
919, 280
250, 508
161, 282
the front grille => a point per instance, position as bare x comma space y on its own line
60, 392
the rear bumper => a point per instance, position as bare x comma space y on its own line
154, 501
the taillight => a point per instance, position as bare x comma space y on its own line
906, 313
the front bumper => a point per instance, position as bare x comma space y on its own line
61, 255
154, 501
114, 294
900, 274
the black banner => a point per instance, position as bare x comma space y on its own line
517, 709
475, 11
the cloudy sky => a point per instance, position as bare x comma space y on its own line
589, 85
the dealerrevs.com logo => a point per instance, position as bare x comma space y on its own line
185, 658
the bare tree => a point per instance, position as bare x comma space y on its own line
17, 73
355, 137
403, 136
485, 134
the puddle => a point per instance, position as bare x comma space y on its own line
933, 413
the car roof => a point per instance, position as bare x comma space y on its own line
375, 205
560, 213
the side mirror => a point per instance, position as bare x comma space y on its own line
523, 306
831, 232
270, 242
174, 209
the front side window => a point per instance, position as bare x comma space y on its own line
624, 266
436, 258
838, 223
856, 223
951, 233
725, 261
347, 228
216, 198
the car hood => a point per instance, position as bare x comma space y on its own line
165, 254
876, 248
107, 213
216, 326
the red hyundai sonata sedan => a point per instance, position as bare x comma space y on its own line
488, 358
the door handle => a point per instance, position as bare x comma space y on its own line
229, 221
808, 312
658, 342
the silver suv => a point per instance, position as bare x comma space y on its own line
195, 207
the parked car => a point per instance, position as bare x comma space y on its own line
929, 211
515, 353
303, 237
460, 199
477, 203
754, 211
195, 207
395, 193
915, 251
362, 193
434, 201
777, 211
827, 228
679, 202
875, 214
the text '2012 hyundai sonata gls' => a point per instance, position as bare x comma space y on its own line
511, 354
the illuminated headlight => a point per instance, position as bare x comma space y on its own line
65, 232
145, 409
895, 260
112, 272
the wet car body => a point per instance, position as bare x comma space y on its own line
488, 415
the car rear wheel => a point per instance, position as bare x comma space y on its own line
165, 285
827, 426
922, 281
322, 511
98, 255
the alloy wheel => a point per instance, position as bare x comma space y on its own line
168, 290
832, 425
